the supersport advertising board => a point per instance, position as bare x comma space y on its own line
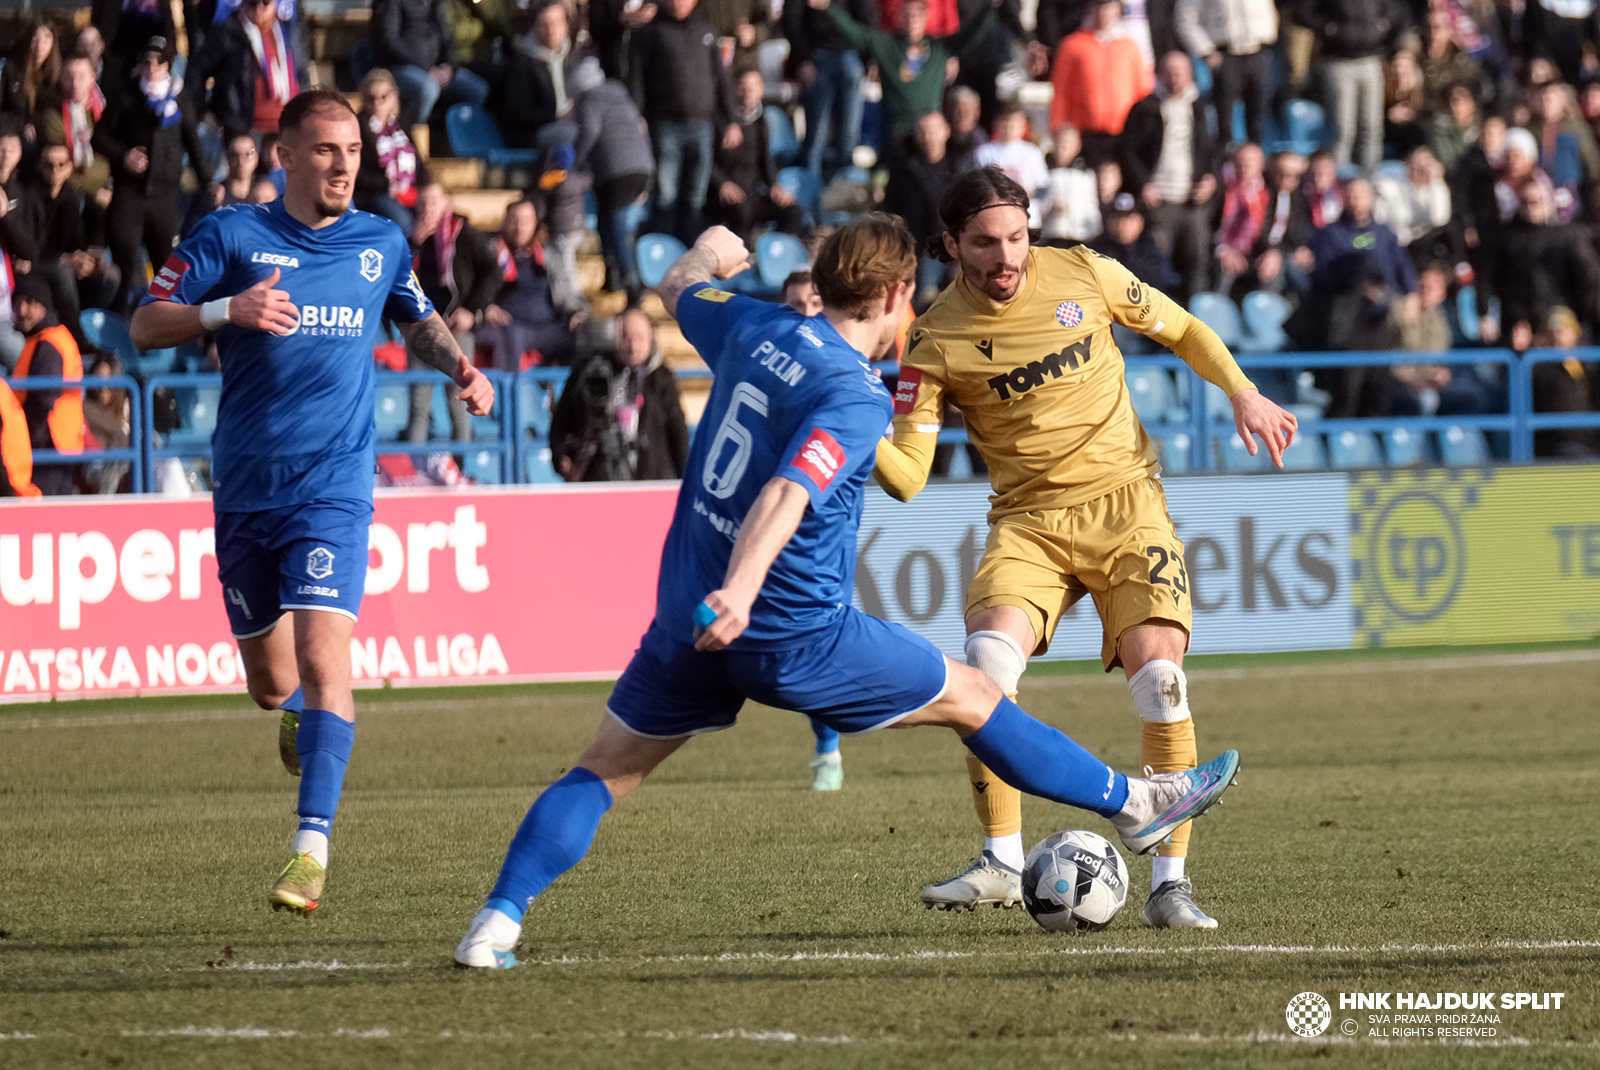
120, 595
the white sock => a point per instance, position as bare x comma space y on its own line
502, 931
1166, 868
315, 844
1007, 849
833, 757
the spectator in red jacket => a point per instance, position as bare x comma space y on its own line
1099, 76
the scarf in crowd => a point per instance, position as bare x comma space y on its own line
507, 257
1244, 211
163, 99
276, 70
398, 157
228, 7
444, 248
78, 134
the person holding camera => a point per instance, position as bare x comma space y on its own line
619, 416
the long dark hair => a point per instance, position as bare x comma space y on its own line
974, 191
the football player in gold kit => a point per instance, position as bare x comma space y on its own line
1021, 343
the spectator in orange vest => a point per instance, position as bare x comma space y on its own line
55, 417
16, 451
1100, 74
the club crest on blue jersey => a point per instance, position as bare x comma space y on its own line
371, 265
319, 563
1069, 313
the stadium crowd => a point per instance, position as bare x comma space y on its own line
1409, 175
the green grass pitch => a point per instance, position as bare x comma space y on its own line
1401, 824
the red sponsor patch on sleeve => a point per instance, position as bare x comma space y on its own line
905, 391
166, 281
821, 457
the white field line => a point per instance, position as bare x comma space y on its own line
113, 720
304, 964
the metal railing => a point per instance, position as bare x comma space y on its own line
518, 429
130, 453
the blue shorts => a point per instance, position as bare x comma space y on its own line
310, 556
858, 675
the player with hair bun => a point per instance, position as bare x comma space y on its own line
1022, 343
753, 599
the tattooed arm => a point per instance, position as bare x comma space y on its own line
718, 253
431, 342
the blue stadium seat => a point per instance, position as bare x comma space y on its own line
1218, 407
1304, 454
1154, 398
1354, 449
770, 57
538, 467
197, 415
107, 330
782, 143
1393, 170
1264, 316
656, 254
807, 189
1463, 446
777, 255
1235, 458
483, 466
473, 132
1174, 452
393, 410
1220, 314
1404, 447
1305, 127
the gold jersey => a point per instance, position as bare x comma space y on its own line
1040, 381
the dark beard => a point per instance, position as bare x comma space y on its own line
329, 210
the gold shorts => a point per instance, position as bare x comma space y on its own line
1120, 549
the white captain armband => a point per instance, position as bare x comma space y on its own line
214, 314
930, 428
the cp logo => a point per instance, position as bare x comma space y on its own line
1417, 556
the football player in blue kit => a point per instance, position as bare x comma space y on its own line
295, 290
753, 600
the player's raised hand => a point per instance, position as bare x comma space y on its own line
732, 617
1255, 415
476, 391
264, 308
726, 246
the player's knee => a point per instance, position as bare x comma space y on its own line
999, 657
268, 694
1160, 691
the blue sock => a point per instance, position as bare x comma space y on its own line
827, 738
324, 742
1035, 758
554, 836
295, 702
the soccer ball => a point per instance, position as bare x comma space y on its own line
1074, 881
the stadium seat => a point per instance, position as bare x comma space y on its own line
1393, 170
393, 410
1305, 128
483, 466
1463, 446
785, 147
656, 254
807, 189
538, 468
1235, 458
1264, 314
1174, 452
1154, 398
1304, 454
1218, 407
473, 132
777, 255
107, 330
1220, 314
1354, 449
1403, 447
197, 415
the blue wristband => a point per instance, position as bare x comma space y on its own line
704, 616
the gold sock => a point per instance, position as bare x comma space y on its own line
999, 805
1169, 747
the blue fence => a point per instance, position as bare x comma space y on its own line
1191, 421
130, 453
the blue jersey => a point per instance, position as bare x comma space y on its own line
295, 423
792, 399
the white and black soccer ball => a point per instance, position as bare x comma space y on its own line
1074, 881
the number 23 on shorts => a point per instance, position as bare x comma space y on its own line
1166, 569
